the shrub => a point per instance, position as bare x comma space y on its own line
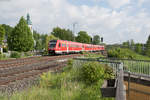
108, 73
69, 65
28, 54
2, 56
70, 62
92, 72
49, 80
15, 54
125, 54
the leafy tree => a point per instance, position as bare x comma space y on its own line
38, 45
96, 39
147, 50
40, 40
8, 30
138, 48
43, 39
63, 34
2, 34
36, 35
21, 38
69, 35
48, 38
83, 37
126, 44
132, 45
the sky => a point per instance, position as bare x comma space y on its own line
114, 20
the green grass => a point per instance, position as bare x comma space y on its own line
126, 53
61, 86
92, 55
130, 65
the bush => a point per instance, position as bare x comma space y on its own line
108, 73
45, 52
28, 54
2, 56
15, 54
92, 72
69, 65
125, 54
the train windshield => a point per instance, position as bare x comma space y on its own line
52, 44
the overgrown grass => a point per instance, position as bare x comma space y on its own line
140, 67
67, 85
125, 53
92, 55
3, 57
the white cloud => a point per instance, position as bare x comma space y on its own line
118, 3
114, 26
140, 2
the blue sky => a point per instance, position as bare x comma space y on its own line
115, 20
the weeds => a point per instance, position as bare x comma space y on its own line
62, 86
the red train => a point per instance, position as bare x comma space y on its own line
63, 46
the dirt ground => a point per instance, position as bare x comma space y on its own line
133, 95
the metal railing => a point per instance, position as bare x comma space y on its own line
118, 69
120, 93
140, 67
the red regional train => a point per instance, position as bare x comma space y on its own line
63, 46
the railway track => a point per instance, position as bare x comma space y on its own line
21, 73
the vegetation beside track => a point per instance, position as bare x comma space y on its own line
70, 84
125, 53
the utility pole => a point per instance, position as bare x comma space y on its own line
74, 25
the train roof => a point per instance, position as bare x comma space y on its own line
73, 42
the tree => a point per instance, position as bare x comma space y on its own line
40, 40
48, 38
132, 46
126, 44
38, 45
96, 39
2, 34
138, 48
21, 38
147, 49
83, 37
63, 34
8, 30
43, 38
36, 35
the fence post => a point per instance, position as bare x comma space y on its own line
120, 93
129, 84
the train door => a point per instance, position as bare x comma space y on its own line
82, 47
67, 47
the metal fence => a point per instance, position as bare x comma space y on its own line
137, 77
140, 67
117, 68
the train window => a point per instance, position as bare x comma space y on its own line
63, 45
75, 45
59, 44
52, 44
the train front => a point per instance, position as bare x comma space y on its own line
52, 47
